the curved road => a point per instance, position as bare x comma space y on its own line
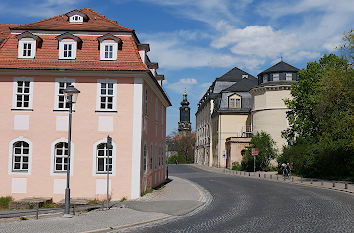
242, 204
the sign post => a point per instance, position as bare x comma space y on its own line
255, 152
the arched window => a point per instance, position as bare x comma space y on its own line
145, 158
101, 158
20, 156
61, 157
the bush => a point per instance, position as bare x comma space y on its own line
180, 158
328, 160
236, 166
267, 152
4, 202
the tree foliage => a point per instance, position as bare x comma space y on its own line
267, 152
321, 117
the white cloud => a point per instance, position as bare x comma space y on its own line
182, 84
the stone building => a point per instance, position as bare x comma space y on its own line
121, 95
237, 105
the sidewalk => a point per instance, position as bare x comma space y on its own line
342, 186
178, 197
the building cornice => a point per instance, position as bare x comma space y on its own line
260, 90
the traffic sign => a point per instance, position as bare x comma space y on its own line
255, 151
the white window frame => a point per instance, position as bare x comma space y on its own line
277, 76
15, 93
145, 155
94, 161
10, 160
235, 99
103, 45
98, 96
76, 19
52, 158
57, 94
21, 43
289, 75
73, 44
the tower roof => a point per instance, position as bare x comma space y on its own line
234, 75
280, 67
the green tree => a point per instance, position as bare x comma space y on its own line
267, 152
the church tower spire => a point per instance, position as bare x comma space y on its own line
184, 124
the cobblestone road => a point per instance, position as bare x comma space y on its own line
241, 204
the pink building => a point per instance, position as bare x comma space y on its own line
121, 96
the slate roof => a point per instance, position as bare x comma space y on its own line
243, 85
235, 74
96, 22
280, 67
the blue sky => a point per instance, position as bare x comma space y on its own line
196, 41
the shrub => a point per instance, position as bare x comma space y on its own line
172, 159
4, 202
236, 166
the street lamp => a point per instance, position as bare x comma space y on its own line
70, 94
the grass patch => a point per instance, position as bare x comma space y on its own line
23, 218
94, 202
4, 202
146, 192
49, 205
123, 199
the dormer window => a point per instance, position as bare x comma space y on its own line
235, 101
68, 45
76, 19
289, 76
109, 45
27, 45
244, 76
265, 78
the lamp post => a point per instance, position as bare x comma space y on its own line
70, 94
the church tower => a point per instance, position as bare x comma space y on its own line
184, 124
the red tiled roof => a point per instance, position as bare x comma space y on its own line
96, 22
88, 57
5, 31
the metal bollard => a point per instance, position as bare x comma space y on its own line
301, 180
277, 177
249, 174
346, 185
292, 179
73, 209
271, 177
311, 181
259, 175
265, 175
322, 182
334, 184
102, 205
37, 214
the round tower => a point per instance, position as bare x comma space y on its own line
269, 110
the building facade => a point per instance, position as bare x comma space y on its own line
237, 105
121, 96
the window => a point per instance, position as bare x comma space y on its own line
145, 158
60, 85
101, 158
76, 19
20, 156
26, 48
23, 92
265, 78
108, 50
276, 77
146, 102
106, 95
67, 49
235, 101
289, 76
61, 157
151, 156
